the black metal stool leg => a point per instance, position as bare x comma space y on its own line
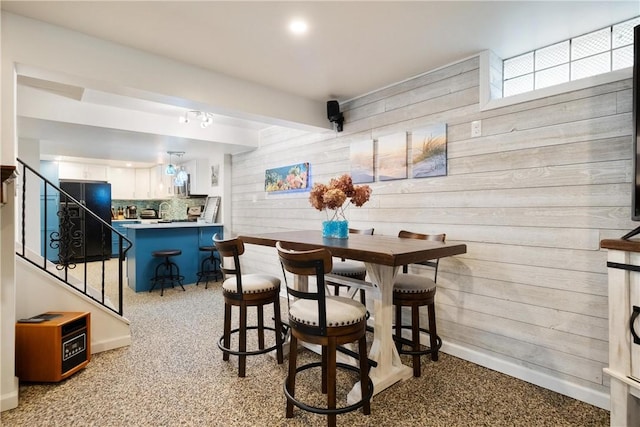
166, 271
209, 267
177, 277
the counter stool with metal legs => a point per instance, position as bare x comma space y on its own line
167, 271
210, 266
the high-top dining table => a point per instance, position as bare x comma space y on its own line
382, 255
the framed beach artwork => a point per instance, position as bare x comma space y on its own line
287, 178
392, 157
429, 151
361, 156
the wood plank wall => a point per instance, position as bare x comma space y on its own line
532, 198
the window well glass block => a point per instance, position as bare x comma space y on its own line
622, 58
552, 56
518, 85
623, 33
518, 66
591, 66
591, 44
552, 76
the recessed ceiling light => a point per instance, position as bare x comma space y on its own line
298, 26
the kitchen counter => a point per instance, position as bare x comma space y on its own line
179, 224
185, 236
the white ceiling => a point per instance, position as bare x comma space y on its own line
351, 48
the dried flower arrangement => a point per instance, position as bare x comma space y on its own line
334, 196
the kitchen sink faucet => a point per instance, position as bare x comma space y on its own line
163, 208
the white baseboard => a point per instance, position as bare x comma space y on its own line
575, 391
123, 341
10, 400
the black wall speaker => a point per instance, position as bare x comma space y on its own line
333, 110
334, 115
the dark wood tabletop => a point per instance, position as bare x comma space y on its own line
377, 249
621, 245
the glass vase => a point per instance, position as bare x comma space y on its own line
335, 229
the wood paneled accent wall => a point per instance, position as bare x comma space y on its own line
532, 198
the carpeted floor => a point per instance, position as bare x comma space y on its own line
173, 374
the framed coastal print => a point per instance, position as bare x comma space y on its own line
287, 178
361, 156
429, 151
392, 157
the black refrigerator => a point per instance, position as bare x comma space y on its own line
85, 238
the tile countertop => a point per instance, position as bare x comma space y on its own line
178, 224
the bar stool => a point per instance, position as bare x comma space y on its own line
210, 266
325, 320
167, 271
243, 291
415, 291
350, 268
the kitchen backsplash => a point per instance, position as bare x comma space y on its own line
176, 208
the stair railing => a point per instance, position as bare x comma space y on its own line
62, 239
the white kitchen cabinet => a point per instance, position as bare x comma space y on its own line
123, 182
143, 185
159, 183
199, 175
85, 171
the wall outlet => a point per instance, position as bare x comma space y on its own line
476, 128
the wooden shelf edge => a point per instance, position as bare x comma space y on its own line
8, 172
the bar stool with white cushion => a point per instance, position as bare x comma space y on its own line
243, 291
415, 291
328, 321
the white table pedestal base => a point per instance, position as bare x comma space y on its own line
390, 368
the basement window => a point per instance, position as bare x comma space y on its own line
602, 51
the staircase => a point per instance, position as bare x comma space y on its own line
53, 273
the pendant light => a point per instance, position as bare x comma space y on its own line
171, 169
181, 177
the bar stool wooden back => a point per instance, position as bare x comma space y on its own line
415, 291
243, 291
328, 321
350, 268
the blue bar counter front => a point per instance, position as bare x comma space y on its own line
185, 236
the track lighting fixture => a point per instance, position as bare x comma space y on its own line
206, 119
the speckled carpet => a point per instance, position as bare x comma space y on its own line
173, 374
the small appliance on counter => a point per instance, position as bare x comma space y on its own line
148, 214
131, 212
194, 212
